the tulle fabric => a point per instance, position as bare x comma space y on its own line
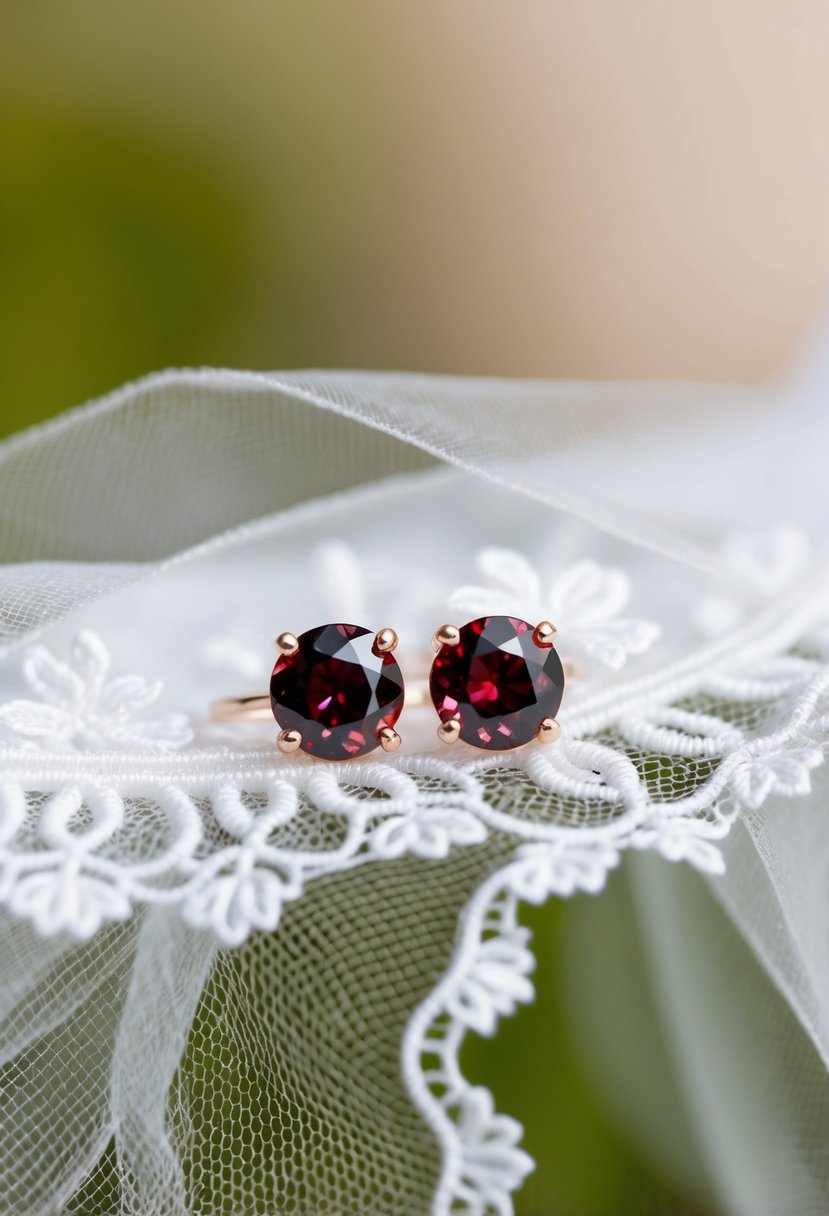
152, 1071
175, 459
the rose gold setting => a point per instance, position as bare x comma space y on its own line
389, 739
288, 741
449, 731
545, 633
385, 640
549, 731
287, 644
230, 709
446, 635
258, 707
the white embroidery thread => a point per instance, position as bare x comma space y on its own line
226, 851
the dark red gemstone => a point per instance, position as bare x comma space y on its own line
337, 691
497, 682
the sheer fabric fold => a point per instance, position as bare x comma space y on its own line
233, 983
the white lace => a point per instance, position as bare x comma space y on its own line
228, 837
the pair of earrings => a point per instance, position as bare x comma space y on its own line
337, 691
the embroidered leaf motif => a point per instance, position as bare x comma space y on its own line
496, 984
233, 904
584, 601
427, 833
78, 708
63, 900
542, 870
785, 772
688, 840
509, 585
492, 1166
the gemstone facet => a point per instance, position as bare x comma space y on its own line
497, 682
337, 690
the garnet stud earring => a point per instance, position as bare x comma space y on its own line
497, 682
336, 692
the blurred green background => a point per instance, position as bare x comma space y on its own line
607, 1129
174, 191
522, 189
271, 185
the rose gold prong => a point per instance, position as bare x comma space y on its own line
287, 644
544, 633
385, 640
549, 731
446, 635
449, 731
389, 739
288, 741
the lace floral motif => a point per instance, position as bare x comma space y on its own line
760, 564
663, 763
585, 601
78, 707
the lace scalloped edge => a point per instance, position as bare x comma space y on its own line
72, 881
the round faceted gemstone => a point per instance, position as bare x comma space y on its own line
337, 691
497, 682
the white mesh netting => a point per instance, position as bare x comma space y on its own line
238, 983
